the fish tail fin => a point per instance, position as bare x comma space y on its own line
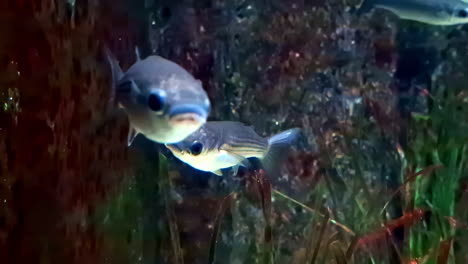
365, 7
116, 73
137, 53
110, 112
278, 149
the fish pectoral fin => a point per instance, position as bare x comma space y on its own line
218, 172
238, 158
229, 156
246, 163
235, 170
132, 133
242, 161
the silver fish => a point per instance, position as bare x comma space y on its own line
434, 12
224, 144
163, 101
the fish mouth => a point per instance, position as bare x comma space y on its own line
189, 115
189, 119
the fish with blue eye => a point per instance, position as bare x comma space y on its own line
220, 145
433, 12
162, 100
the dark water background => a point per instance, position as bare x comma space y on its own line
72, 192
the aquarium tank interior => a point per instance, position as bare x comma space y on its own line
234, 131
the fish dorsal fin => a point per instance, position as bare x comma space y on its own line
132, 133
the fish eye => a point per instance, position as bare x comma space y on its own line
156, 102
196, 148
463, 13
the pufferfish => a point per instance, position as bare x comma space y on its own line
162, 100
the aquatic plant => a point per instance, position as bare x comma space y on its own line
439, 138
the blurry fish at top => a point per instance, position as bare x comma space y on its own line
434, 12
224, 144
163, 101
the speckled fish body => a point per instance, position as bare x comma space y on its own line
434, 12
223, 144
163, 101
